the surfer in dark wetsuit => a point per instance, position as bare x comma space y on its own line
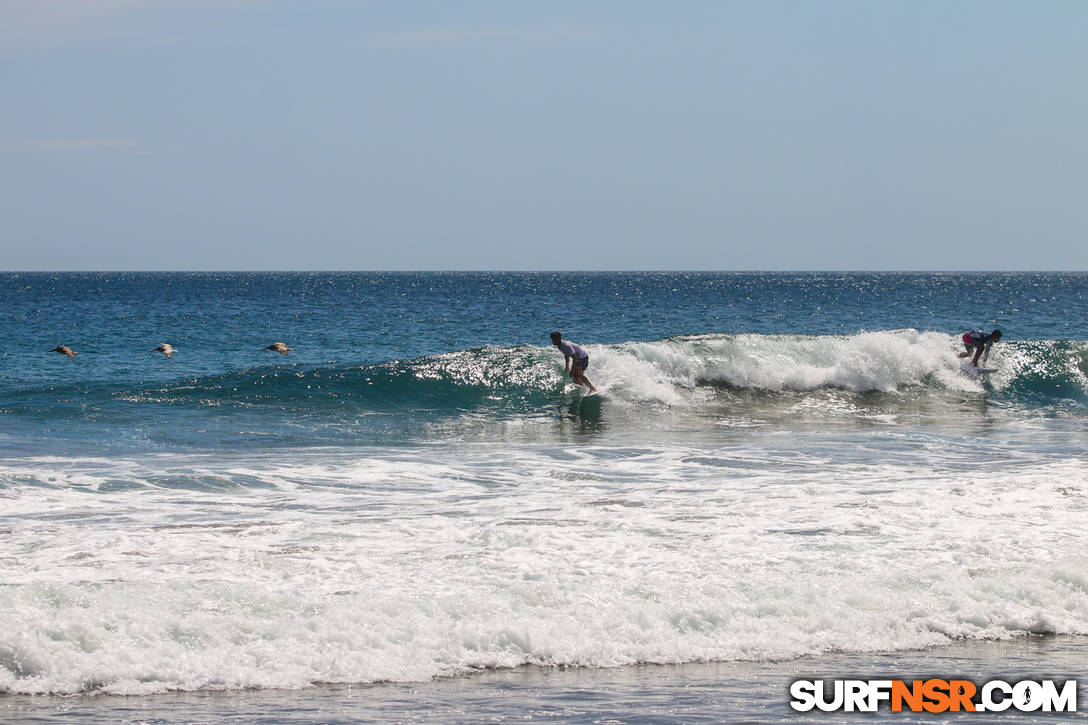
575, 360
978, 342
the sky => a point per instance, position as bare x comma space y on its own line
499, 135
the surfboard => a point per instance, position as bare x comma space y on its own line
972, 370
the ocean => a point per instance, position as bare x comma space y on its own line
415, 516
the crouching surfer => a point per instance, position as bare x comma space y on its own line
575, 360
978, 342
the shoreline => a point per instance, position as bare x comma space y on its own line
648, 693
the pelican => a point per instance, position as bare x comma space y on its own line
279, 347
165, 348
64, 350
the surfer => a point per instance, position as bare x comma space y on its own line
575, 360
979, 342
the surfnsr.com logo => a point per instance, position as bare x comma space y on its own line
933, 695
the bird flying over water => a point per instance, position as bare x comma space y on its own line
279, 347
166, 349
64, 350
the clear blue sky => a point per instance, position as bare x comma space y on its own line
395, 134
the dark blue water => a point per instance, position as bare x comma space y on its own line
376, 354
222, 320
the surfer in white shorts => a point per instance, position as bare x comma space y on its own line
978, 342
575, 360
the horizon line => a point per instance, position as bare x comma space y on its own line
544, 271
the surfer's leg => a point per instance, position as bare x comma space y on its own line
578, 376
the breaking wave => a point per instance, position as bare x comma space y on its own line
662, 371
705, 381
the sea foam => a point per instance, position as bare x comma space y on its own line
367, 567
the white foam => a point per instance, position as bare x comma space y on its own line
664, 371
292, 569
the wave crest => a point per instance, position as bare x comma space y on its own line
672, 371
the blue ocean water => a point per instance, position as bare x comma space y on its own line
418, 491
375, 354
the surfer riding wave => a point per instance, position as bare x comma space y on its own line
979, 343
575, 360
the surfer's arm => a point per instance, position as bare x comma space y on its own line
978, 353
566, 362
